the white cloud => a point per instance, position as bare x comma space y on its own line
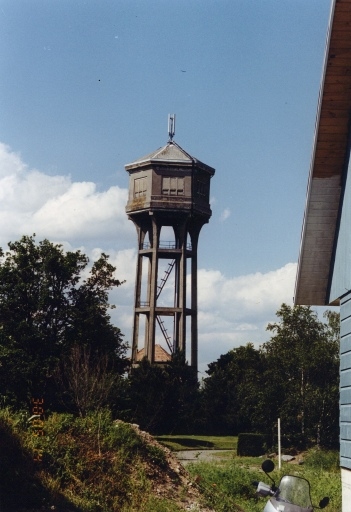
235, 311
57, 208
81, 209
259, 290
232, 310
225, 214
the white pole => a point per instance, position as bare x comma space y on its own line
279, 447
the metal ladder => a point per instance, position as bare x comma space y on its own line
165, 277
165, 333
159, 290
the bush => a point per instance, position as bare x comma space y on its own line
250, 445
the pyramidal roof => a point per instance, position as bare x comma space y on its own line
170, 153
161, 355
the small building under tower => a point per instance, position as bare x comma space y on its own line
169, 192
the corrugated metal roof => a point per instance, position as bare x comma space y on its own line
329, 156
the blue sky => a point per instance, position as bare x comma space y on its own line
87, 87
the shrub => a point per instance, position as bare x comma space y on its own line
250, 445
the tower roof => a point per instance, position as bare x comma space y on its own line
161, 355
171, 153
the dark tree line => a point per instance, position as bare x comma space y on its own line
57, 342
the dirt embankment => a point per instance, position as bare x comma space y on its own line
173, 481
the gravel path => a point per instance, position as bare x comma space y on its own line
188, 456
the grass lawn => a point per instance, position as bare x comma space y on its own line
182, 442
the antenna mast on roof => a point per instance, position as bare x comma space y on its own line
171, 126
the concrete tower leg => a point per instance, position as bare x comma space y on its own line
180, 232
194, 235
135, 336
152, 292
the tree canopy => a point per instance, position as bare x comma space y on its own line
50, 302
294, 376
303, 361
57, 342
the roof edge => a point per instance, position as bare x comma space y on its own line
312, 162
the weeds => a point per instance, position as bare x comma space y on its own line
89, 464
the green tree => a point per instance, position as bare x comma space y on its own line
231, 392
294, 376
302, 372
46, 307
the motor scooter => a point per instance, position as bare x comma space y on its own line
291, 495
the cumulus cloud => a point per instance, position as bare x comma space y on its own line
232, 310
236, 310
56, 207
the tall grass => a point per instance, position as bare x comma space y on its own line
227, 484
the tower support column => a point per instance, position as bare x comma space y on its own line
194, 305
152, 291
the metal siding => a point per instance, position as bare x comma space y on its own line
345, 327
345, 344
345, 381
345, 414
345, 463
346, 449
345, 431
347, 307
345, 361
345, 396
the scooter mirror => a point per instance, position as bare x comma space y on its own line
324, 502
268, 466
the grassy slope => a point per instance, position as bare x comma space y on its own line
96, 465
87, 464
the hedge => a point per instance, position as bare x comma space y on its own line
250, 445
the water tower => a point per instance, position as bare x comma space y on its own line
168, 191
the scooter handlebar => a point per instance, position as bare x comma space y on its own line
264, 489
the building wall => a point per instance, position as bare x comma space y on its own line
345, 381
341, 289
346, 490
